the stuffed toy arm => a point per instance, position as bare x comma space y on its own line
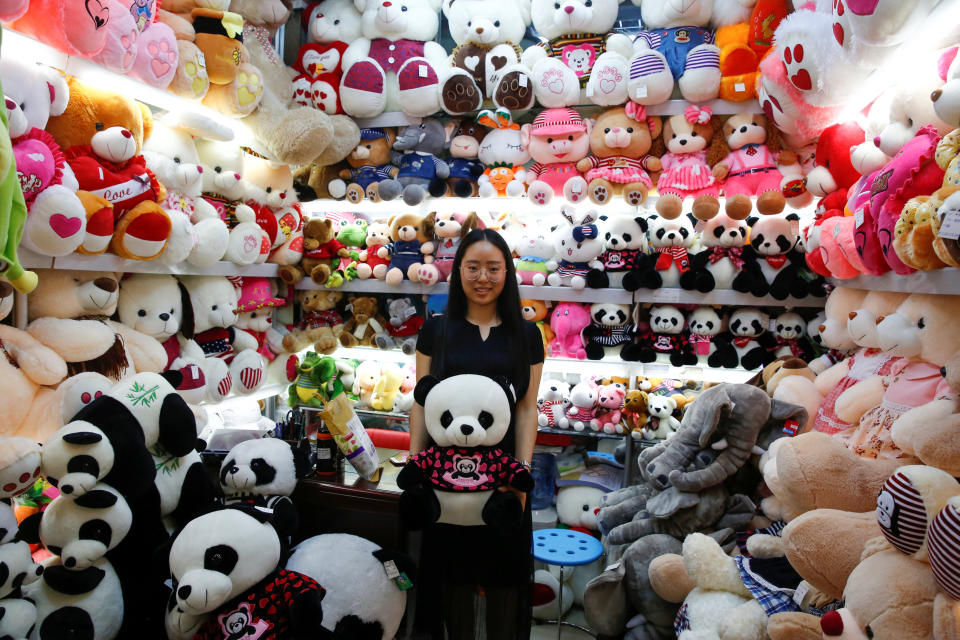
931, 432
147, 353
39, 363
747, 621
243, 340
860, 398
74, 340
830, 378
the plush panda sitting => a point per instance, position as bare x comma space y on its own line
624, 239
789, 332
76, 457
667, 337
721, 264
17, 570
775, 257
262, 474
670, 240
227, 583
456, 480
746, 342
610, 326
705, 324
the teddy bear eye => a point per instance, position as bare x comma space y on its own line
588, 3
607, 236
403, 8
485, 419
549, 140
469, 23
556, 5
586, 507
336, 22
570, 138
214, 307
607, 130
693, 134
446, 419
217, 169
142, 313
909, 124
921, 324
673, 135
269, 189
629, 129
176, 159
496, 23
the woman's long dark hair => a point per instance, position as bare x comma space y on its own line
508, 302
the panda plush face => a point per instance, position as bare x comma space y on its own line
723, 231
76, 457
81, 530
772, 235
789, 326
621, 233
220, 555
264, 466
17, 567
609, 314
705, 321
748, 322
666, 319
466, 410
670, 233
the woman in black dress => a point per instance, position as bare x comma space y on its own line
482, 332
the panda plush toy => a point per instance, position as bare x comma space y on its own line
667, 337
705, 325
17, 571
227, 583
76, 457
670, 241
746, 343
610, 326
789, 332
773, 242
624, 241
455, 481
262, 474
722, 263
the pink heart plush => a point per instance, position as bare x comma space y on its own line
64, 226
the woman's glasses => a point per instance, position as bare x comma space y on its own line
473, 272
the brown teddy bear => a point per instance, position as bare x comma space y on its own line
409, 249
320, 249
365, 323
750, 168
369, 164
635, 411
101, 134
320, 322
620, 142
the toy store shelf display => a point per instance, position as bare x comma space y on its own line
941, 281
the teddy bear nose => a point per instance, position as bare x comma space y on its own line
876, 141
852, 315
479, 30
880, 319
831, 623
568, 8
466, 429
283, 195
106, 284
743, 129
164, 316
683, 141
125, 133
822, 328
199, 169
184, 592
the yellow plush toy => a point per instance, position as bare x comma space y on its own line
386, 390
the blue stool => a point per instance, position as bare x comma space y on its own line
565, 548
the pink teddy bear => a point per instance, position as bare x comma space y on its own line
610, 402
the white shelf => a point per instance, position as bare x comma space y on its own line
939, 281
720, 107
378, 286
261, 393
31, 260
109, 262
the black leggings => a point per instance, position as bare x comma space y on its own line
502, 613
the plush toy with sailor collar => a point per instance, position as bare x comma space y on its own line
667, 336
576, 249
421, 170
677, 47
774, 256
580, 58
610, 326
208, 323
722, 263
394, 66
409, 249
227, 580
503, 153
486, 61
746, 342
331, 26
705, 324
669, 242
465, 166
466, 416
261, 474
402, 328
624, 239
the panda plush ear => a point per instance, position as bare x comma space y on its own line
693, 219
403, 561
424, 386
175, 378
641, 222
29, 530
178, 427
752, 220
187, 323
302, 466
507, 387
96, 499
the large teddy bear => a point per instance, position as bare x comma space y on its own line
486, 61
393, 67
102, 134
287, 132
579, 60
331, 26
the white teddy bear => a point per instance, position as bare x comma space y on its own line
660, 421
394, 66
486, 61
580, 61
331, 27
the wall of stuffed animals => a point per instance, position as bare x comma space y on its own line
736, 224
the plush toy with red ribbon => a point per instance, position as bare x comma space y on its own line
667, 338
670, 239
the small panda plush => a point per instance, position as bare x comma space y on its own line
746, 342
224, 567
789, 331
722, 263
704, 324
670, 240
610, 326
624, 239
77, 604
17, 568
76, 457
456, 480
262, 474
667, 337
773, 241
82, 530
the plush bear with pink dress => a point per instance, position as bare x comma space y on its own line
557, 140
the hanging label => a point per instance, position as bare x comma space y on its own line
523, 80
790, 427
391, 568
950, 226
801, 592
324, 454
201, 59
858, 218
423, 71
641, 92
740, 87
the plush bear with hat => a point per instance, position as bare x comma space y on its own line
255, 313
557, 140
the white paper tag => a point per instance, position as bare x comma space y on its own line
858, 218
950, 226
202, 59
423, 74
391, 568
739, 87
773, 325
801, 592
589, 90
611, 567
641, 92
665, 295
523, 80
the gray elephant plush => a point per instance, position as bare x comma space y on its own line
421, 169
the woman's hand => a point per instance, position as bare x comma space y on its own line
520, 494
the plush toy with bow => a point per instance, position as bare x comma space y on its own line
750, 166
503, 153
667, 335
670, 240
577, 249
693, 145
722, 263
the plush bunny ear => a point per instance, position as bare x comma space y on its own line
59, 91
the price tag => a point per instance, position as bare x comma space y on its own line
665, 295
858, 218
523, 80
950, 226
641, 92
391, 568
801, 592
423, 71
202, 59
740, 87
589, 90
